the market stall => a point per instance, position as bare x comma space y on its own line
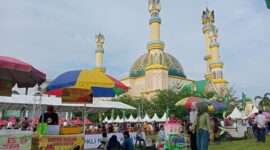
78, 87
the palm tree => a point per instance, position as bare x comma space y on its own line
264, 103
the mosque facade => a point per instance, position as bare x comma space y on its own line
157, 70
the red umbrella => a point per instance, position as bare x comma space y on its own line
20, 73
78, 121
88, 121
60, 121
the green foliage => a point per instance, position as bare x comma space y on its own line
264, 103
136, 102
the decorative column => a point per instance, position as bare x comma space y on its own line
214, 65
156, 73
99, 52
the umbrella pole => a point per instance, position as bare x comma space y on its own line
84, 118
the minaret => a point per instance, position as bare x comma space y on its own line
156, 74
213, 63
99, 52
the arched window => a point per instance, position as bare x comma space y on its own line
218, 74
156, 59
160, 59
214, 75
221, 74
151, 58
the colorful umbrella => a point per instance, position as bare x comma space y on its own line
186, 102
20, 73
88, 121
266, 114
100, 84
215, 105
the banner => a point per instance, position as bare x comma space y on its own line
73, 95
172, 128
22, 140
93, 140
60, 142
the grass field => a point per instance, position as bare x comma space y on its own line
242, 145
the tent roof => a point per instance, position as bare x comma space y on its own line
254, 110
163, 118
146, 118
117, 119
106, 119
27, 102
131, 119
155, 118
236, 114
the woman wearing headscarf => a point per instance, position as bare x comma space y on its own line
113, 144
202, 126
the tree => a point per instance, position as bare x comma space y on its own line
264, 103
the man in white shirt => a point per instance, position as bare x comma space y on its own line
260, 120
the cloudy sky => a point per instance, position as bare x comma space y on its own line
57, 36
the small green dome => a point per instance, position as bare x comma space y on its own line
174, 67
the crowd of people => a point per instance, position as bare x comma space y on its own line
114, 144
200, 128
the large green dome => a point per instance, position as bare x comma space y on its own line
174, 67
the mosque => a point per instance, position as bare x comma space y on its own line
157, 70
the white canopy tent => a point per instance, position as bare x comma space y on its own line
17, 102
236, 114
155, 118
138, 119
111, 120
163, 118
146, 118
254, 110
106, 119
117, 119
131, 119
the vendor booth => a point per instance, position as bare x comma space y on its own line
59, 137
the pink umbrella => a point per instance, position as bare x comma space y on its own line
78, 121
20, 73
88, 121
69, 121
35, 120
266, 114
5, 122
60, 121
1, 121
12, 119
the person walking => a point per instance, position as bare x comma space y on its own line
192, 116
202, 126
127, 144
113, 143
260, 120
